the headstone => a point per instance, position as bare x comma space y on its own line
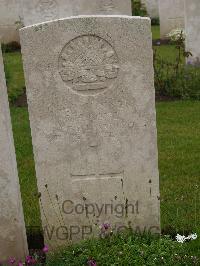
152, 8
12, 229
92, 111
192, 21
9, 20
171, 13
37, 11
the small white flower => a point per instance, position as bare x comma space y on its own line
176, 34
180, 239
192, 236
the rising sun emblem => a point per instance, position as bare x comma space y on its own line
88, 64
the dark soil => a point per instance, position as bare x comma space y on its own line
165, 98
159, 42
36, 243
21, 101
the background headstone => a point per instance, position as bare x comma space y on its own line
12, 228
91, 102
37, 11
9, 20
192, 28
151, 7
171, 13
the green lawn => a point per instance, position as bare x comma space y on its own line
14, 74
155, 32
125, 250
167, 52
26, 167
179, 164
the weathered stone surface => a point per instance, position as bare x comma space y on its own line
192, 21
92, 111
12, 229
152, 8
171, 14
37, 11
9, 18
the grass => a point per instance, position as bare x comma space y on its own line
179, 164
14, 74
155, 32
26, 167
167, 52
126, 249
172, 77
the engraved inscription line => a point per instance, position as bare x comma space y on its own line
94, 177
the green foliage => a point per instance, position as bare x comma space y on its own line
11, 47
155, 21
138, 8
178, 145
172, 77
14, 74
26, 167
126, 249
155, 32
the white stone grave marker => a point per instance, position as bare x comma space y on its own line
171, 13
13, 241
92, 111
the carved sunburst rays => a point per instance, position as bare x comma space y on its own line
88, 59
89, 49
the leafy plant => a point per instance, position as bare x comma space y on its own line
174, 78
11, 47
155, 21
138, 8
125, 249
